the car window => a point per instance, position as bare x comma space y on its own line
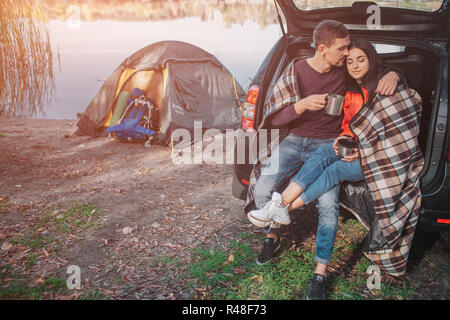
422, 5
387, 48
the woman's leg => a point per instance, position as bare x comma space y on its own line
310, 171
331, 177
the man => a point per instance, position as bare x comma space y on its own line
298, 102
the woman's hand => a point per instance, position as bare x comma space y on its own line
354, 156
336, 144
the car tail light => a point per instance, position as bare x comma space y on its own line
245, 181
248, 112
448, 153
446, 221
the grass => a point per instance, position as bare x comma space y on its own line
233, 274
94, 295
216, 273
34, 241
403, 291
19, 288
78, 217
40, 243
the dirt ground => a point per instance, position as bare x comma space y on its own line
152, 210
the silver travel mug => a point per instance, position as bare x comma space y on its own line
334, 104
346, 147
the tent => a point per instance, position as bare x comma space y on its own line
185, 82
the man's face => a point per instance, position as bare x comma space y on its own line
336, 54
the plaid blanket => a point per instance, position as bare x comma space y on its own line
391, 161
285, 93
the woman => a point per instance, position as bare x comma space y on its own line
325, 169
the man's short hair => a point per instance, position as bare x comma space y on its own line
327, 31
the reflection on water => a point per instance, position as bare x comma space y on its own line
232, 11
94, 37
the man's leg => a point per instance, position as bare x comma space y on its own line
293, 152
289, 160
328, 207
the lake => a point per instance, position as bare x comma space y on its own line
94, 38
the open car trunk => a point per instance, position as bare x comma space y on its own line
420, 66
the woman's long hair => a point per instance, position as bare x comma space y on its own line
374, 74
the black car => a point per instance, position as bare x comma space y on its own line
412, 39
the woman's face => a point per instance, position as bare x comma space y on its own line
357, 64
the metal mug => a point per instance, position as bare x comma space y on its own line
334, 103
346, 147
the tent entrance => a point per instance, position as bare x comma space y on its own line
152, 82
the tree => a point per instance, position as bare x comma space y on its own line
26, 60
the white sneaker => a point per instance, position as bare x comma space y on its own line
270, 211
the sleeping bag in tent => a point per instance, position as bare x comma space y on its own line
186, 84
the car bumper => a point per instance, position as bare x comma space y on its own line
434, 220
239, 184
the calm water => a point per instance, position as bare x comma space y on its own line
94, 36
91, 50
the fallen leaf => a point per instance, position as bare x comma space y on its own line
231, 258
127, 230
257, 278
6, 246
156, 225
19, 256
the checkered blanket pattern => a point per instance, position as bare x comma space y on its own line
285, 93
391, 161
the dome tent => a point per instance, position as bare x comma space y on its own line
185, 82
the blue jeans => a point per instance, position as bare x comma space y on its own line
293, 151
323, 171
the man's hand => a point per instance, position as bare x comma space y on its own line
313, 102
388, 84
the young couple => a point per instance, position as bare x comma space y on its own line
339, 67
